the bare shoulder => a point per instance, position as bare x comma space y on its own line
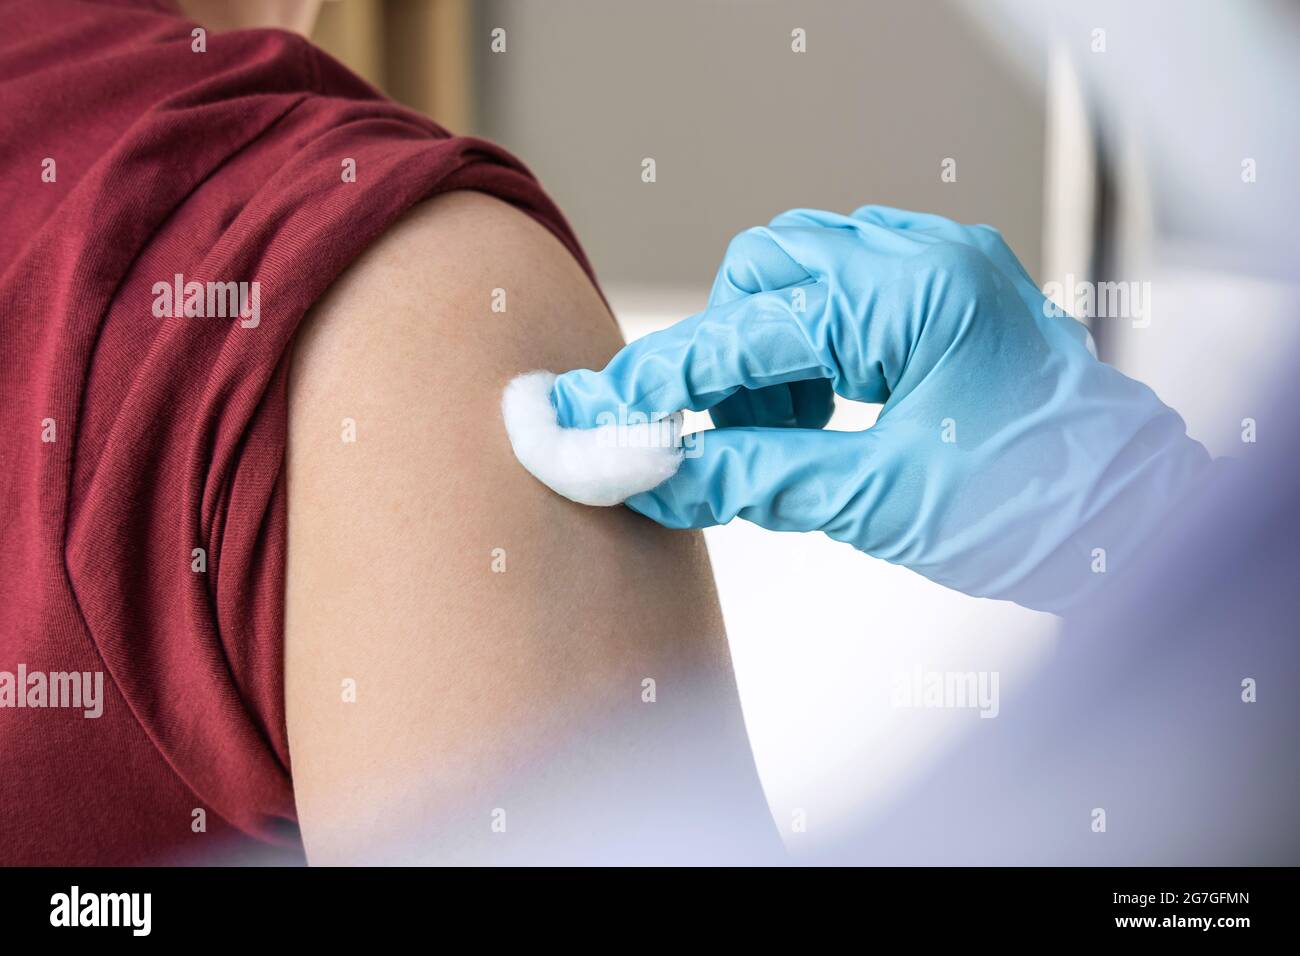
433, 279
458, 638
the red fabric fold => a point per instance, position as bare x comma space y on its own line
224, 166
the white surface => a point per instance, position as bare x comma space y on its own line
1214, 346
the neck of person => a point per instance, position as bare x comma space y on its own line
298, 16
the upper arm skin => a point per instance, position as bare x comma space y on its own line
481, 690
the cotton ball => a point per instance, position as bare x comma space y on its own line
592, 466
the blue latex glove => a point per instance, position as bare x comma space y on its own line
1007, 461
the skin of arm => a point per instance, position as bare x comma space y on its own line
466, 653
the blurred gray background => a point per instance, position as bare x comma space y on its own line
742, 128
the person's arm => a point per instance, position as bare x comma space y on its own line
500, 637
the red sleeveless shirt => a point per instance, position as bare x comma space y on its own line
169, 216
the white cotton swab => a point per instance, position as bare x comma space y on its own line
600, 466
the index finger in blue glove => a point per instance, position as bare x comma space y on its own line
751, 342
814, 331
754, 263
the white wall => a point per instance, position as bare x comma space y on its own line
741, 128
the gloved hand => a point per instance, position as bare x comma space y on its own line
1007, 461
